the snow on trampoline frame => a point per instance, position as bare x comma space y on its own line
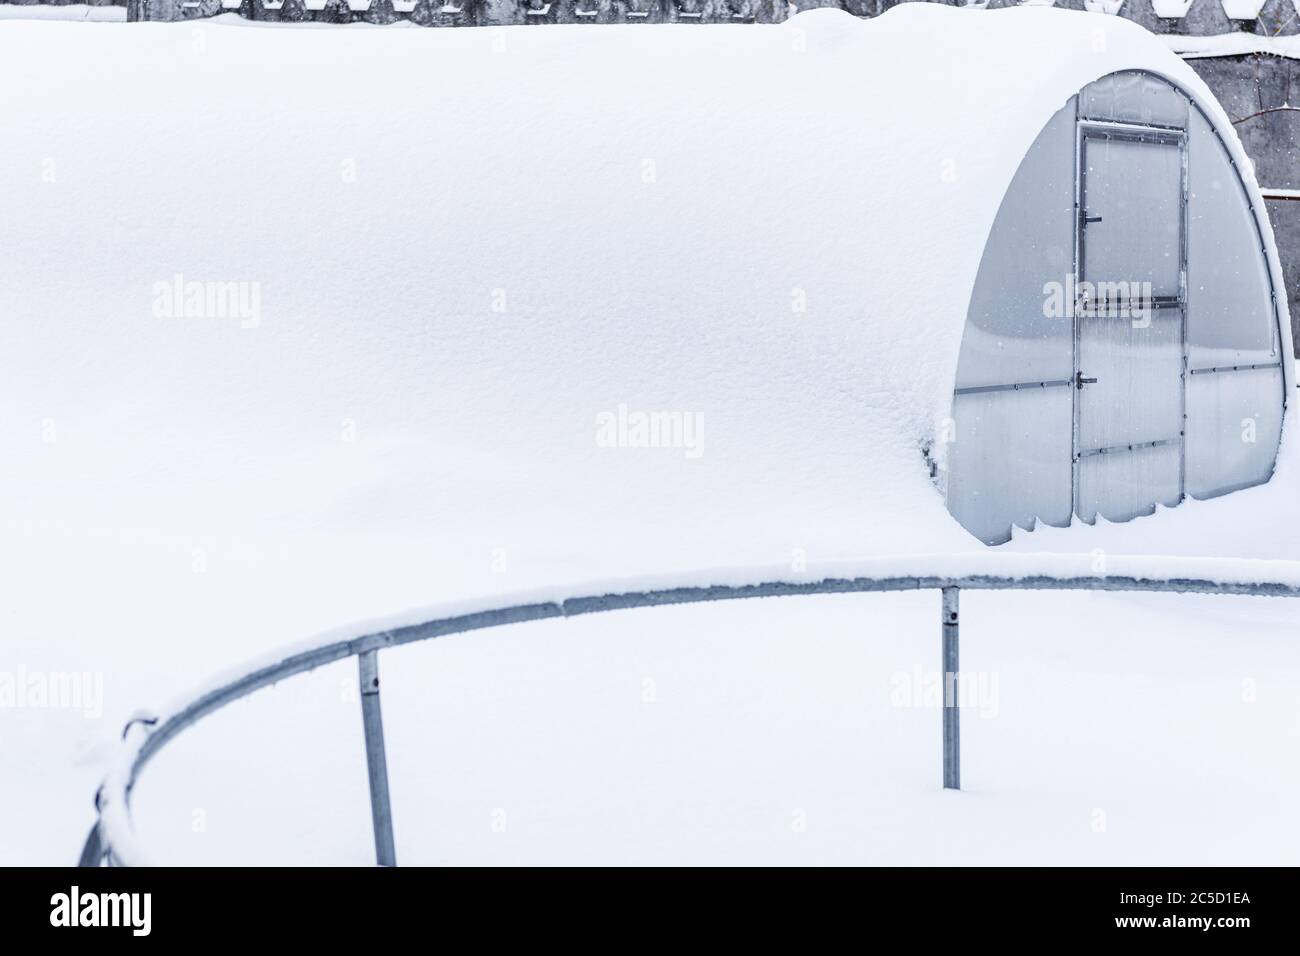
112, 838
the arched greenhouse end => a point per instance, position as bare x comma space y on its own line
1152, 362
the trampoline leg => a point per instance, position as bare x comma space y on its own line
381, 811
951, 711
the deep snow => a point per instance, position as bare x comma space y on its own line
189, 492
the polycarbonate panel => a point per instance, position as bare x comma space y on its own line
1008, 338
1138, 393
1132, 193
1234, 424
1010, 460
1230, 316
1123, 485
1134, 98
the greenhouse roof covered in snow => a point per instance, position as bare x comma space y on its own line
581, 302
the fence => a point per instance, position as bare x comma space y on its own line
112, 838
1180, 17
463, 13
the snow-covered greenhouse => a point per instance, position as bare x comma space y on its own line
1125, 341
1008, 267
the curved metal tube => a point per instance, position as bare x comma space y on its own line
112, 836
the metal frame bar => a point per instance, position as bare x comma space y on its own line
1136, 446
1098, 310
951, 691
381, 810
1076, 375
1135, 132
1014, 387
1183, 292
112, 838
1233, 368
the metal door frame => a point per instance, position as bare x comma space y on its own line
1140, 133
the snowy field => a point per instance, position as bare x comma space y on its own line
1104, 729
1108, 730
191, 492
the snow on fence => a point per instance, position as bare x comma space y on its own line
1193, 17
445, 13
112, 839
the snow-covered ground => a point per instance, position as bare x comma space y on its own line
375, 434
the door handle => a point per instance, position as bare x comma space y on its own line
1088, 219
1080, 381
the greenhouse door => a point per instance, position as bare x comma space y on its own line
1128, 443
